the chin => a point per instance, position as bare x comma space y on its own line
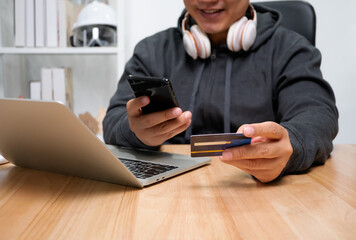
212, 29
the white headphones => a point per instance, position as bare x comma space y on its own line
241, 35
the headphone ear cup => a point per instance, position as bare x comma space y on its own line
190, 45
234, 35
202, 41
249, 35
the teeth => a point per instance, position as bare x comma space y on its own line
211, 11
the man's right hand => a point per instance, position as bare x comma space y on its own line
153, 129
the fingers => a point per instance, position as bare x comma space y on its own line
146, 121
157, 135
155, 128
263, 150
265, 170
171, 127
156, 118
259, 139
269, 130
266, 156
134, 105
249, 165
169, 134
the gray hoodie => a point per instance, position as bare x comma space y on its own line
278, 80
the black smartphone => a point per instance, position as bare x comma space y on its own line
158, 89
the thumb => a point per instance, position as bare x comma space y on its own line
269, 130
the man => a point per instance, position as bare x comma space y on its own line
229, 77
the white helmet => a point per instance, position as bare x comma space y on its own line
95, 26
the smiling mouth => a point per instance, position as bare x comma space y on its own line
211, 11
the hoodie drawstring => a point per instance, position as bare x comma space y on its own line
227, 100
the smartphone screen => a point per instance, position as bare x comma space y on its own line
158, 89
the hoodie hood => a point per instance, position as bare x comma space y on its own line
268, 20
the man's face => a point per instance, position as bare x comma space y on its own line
216, 16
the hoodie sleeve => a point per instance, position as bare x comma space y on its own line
116, 126
305, 104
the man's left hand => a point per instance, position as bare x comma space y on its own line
266, 156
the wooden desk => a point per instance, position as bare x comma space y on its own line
212, 202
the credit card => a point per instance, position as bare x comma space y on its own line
214, 144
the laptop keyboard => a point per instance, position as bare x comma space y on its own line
145, 170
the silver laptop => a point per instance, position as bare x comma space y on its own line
47, 136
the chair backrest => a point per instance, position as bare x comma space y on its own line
298, 16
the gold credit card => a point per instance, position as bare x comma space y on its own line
214, 144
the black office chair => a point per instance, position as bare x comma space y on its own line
298, 16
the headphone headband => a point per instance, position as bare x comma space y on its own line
185, 19
253, 13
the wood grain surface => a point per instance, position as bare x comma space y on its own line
213, 202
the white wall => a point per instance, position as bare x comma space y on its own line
336, 39
146, 17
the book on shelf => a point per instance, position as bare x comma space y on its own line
20, 7
62, 23
30, 23
63, 86
43, 23
51, 23
40, 20
57, 85
46, 84
35, 90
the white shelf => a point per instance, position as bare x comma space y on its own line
59, 51
57, 55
